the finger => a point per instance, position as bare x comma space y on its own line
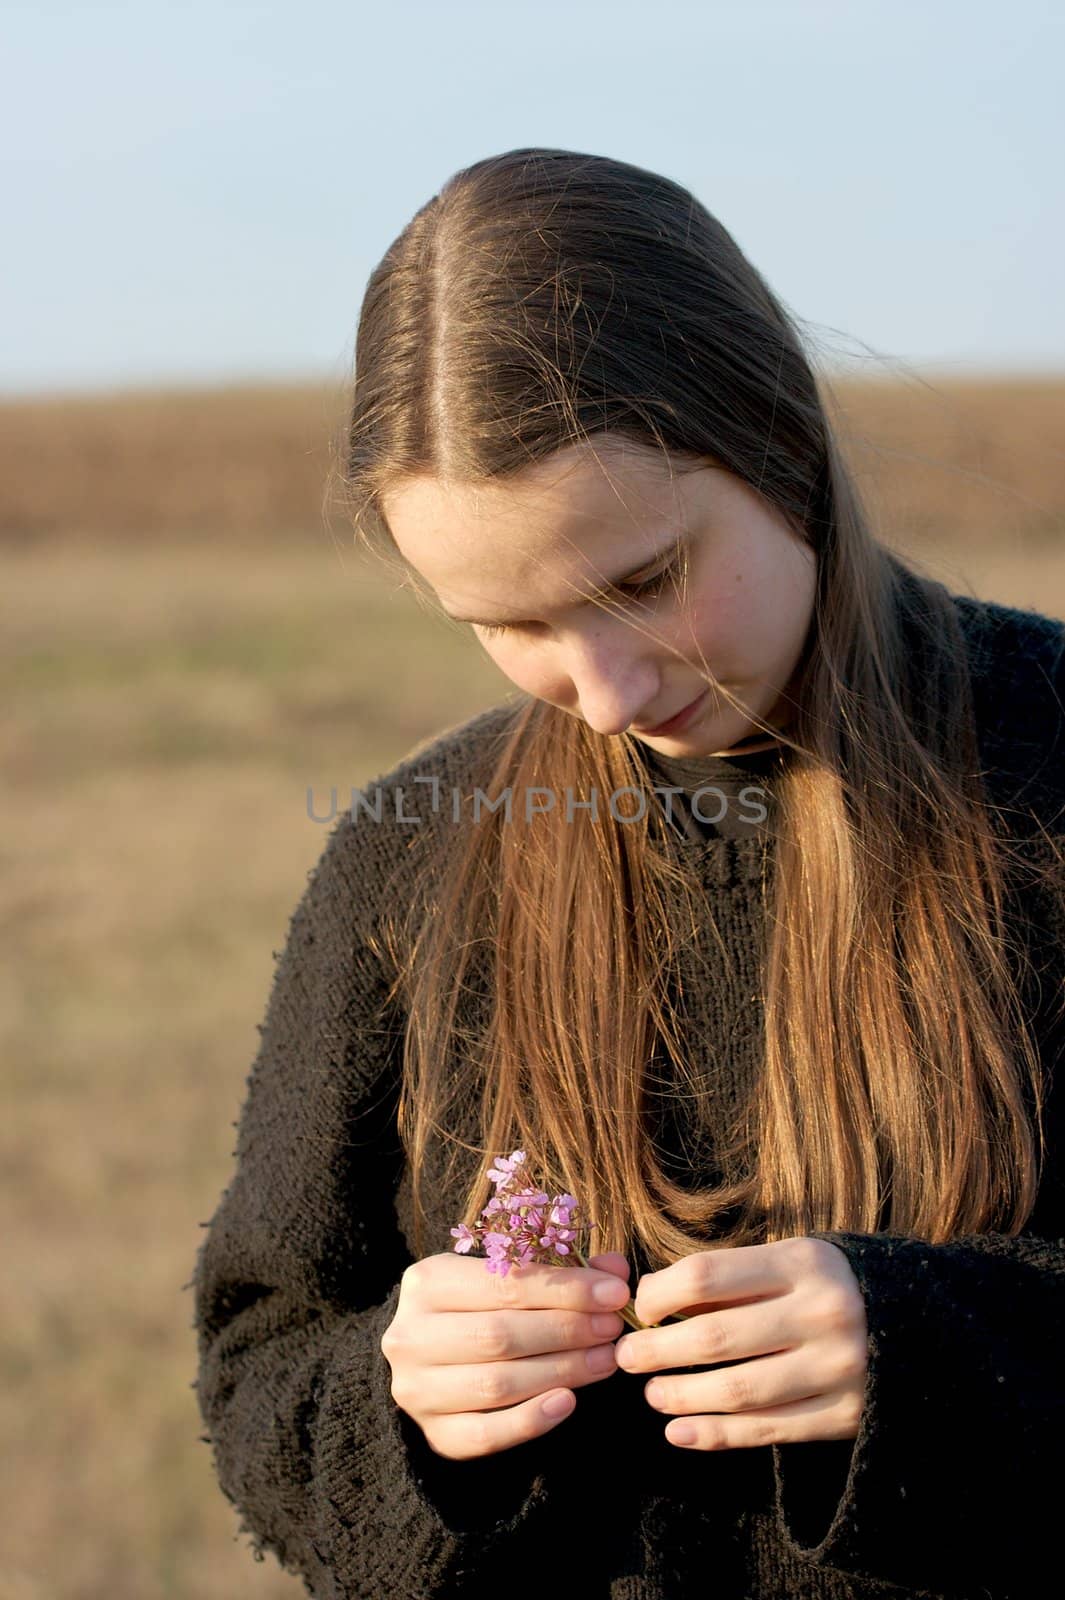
484, 1433
613, 1261
450, 1282
818, 1417
493, 1385
733, 1335
702, 1280
748, 1386
458, 1337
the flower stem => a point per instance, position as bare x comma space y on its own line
627, 1313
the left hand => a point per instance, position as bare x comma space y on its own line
793, 1304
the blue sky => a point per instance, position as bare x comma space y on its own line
198, 191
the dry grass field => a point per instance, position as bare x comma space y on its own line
186, 646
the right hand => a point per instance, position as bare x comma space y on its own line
475, 1356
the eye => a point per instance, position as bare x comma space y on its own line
650, 586
647, 589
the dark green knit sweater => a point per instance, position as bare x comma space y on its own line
953, 1483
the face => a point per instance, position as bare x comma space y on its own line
559, 570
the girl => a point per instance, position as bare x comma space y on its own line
742, 920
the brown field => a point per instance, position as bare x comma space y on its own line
187, 645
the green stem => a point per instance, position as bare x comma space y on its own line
627, 1313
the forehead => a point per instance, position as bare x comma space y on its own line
581, 500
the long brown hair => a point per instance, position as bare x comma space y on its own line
546, 299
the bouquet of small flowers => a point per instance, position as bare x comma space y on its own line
522, 1224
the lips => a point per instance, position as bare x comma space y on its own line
676, 720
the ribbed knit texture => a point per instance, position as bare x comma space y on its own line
948, 1489
716, 797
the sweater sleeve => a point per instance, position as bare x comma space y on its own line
299, 1276
953, 1483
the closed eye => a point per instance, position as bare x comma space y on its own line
646, 589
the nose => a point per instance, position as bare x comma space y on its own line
613, 683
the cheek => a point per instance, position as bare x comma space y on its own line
727, 628
744, 620
522, 668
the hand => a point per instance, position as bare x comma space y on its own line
475, 1354
795, 1323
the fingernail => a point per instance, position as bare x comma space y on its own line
606, 1324
611, 1292
557, 1406
601, 1359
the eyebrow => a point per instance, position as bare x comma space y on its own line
672, 548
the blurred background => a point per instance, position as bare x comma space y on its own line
194, 197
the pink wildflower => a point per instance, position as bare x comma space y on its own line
521, 1224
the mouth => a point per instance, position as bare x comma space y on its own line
678, 720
